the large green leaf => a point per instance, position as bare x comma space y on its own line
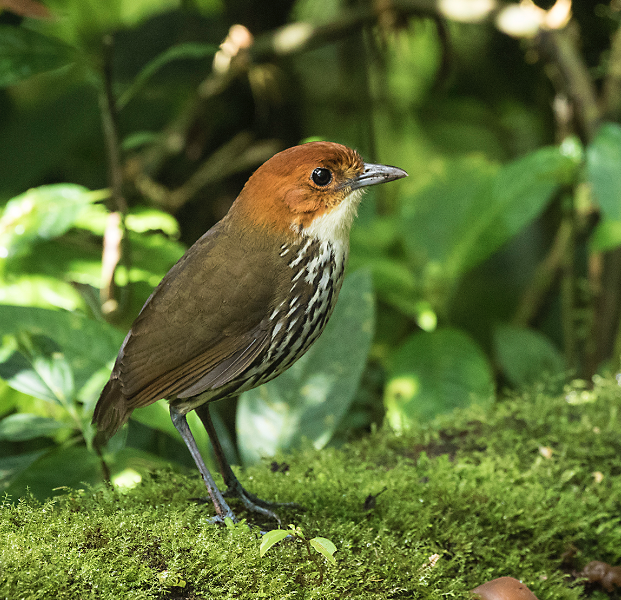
40, 290
34, 364
433, 373
24, 53
41, 214
157, 416
62, 466
132, 459
12, 466
525, 355
310, 398
86, 346
24, 426
606, 236
152, 256
439, 218
603, 162
473, 208
76, 256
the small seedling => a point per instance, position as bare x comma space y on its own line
321, 545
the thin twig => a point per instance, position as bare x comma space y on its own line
544, 278
561, 53
237, 155
115, 229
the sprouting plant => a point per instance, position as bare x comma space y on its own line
321, 545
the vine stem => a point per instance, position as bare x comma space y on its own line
115, 227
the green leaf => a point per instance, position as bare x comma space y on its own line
34, 364
24, 426
132, 459
603, 168
9, 398
24, 53
606, 236
135, 140
438, 220
40, 290
62, 466
157, 416
433, 373
41, 214
311, 397
521, 190
152, 256
93, 218
192, 50
325, 547
12, 466
142, 219
396, 285
87, 346
473, 208
525, 355
270, 538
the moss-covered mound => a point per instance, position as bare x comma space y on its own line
530, 489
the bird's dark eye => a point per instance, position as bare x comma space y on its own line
321, 176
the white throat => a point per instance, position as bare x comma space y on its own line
334, 226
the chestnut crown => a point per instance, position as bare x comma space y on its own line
312, 189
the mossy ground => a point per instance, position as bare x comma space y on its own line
530, 489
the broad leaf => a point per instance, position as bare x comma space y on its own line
473, 208
521, 190
439, 219
142, 219
62, 466
152, 256
40, 290
86, 345
603, 162
325, 547
606, 236
433, 373
310, 398
525, 355
270, 538
34, 364
12, 466
24, 53
157, 416
41, 214
24, 426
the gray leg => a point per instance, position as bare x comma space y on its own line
233, 487
181, 425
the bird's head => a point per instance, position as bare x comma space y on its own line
310, 190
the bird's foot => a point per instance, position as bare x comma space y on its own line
256, 504
238, 491
252, 503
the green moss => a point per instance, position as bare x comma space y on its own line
478, 489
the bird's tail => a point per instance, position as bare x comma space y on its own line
111, 412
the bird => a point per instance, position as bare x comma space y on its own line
245, 301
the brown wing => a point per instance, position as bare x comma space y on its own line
205, 322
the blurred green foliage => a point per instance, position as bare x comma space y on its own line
128, 127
